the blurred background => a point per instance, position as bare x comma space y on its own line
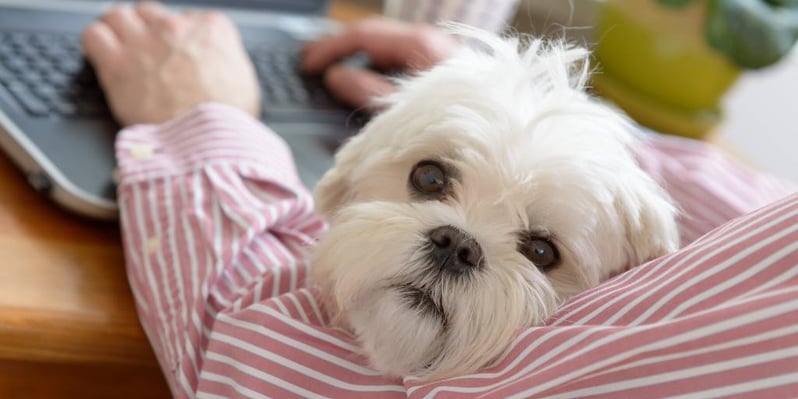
719, 70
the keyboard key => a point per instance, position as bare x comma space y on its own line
40, 64
31, 77
29, 52
42, 40
6, 49
16, 64
70, 66
18, 39
64, 108
33, 105
73, 48
6, 75
299, 96
58, 79
58, 54
46, 92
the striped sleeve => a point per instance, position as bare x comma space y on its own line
491, 15
709, 186
216, 227
214, 219
717, 319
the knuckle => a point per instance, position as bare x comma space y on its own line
220, 23
216, 18
149, 4
87, 39
331, 77
116, 12
92, 36
171, 24
429, 41
424, 36
149, 7
365, 27
373, 22
91, 31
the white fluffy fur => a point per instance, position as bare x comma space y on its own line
533, 152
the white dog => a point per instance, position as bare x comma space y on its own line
490, 190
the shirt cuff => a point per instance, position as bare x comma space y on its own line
207, 134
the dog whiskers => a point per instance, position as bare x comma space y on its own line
423, 302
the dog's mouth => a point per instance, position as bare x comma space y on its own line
422, 301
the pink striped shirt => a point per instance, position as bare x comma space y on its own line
217, 226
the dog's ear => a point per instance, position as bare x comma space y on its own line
649, 218
335, 187
331, 191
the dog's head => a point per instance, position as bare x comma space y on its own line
490, 190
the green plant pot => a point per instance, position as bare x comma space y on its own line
655, 64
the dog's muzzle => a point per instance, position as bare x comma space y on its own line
454, 250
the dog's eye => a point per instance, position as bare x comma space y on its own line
540, 251
428, 178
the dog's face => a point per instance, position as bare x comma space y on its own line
489, 191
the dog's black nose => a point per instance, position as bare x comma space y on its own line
454, 250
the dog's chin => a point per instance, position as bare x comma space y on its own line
372, 275
401, 329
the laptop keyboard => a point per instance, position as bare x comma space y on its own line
282, 87
48, 77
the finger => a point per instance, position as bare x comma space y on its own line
215, 18
212, 25
357, 87
125, 22
191, 12
100, 44
151, 13
161, 21
386, 41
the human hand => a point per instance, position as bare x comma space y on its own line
390, 44
154, 65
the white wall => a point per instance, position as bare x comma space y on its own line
762, 118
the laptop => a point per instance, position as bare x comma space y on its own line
56, 126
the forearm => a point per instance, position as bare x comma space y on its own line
208, 201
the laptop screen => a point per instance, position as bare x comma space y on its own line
317, 7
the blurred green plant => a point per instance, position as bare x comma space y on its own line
751, 33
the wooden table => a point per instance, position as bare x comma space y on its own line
68, 326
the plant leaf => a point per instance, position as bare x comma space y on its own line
752, 33
675, 3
